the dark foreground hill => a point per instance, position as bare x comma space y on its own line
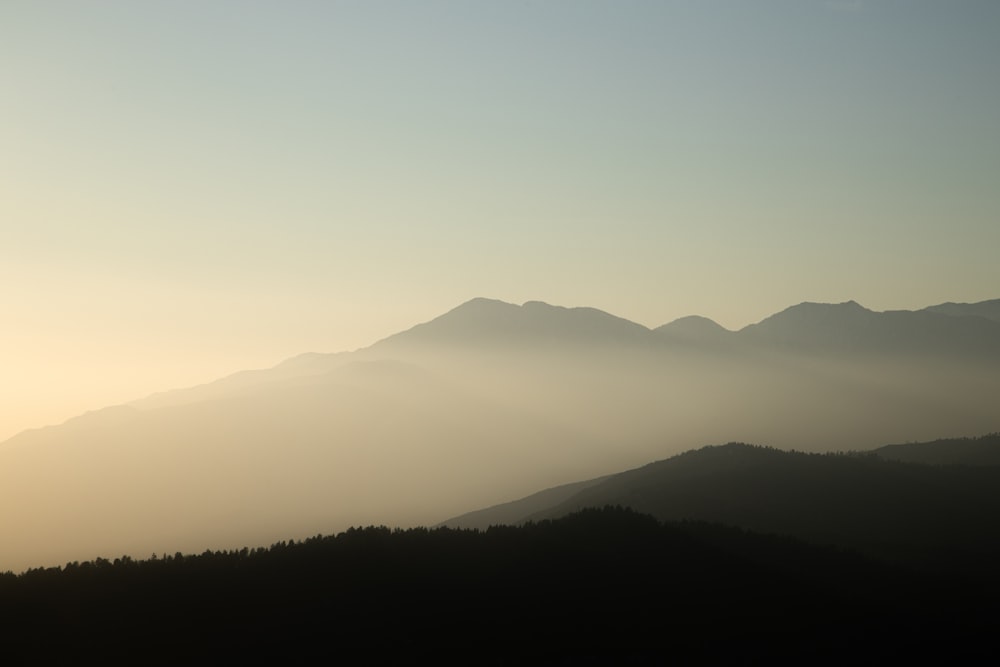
936, 517
597, 587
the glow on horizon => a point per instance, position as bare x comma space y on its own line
192, 189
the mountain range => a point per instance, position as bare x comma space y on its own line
487, 402
880, 503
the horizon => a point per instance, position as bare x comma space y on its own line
168, 390
485, 403
192, 190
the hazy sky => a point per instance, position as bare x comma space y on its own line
192, 188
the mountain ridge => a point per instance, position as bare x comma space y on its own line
884, 507
419, 427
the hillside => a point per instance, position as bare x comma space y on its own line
933, 517
487, 402
981, 451
600, 585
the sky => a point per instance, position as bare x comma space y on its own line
189, 188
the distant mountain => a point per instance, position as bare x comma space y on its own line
987, 309
838, 330
487, 402
696, 330
920, 515
981, 451
249, 382
850, 329
488, 321
815, 325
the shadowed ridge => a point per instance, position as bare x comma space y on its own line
549, 502
981, 451
510, 513
925, 516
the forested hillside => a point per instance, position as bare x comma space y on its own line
607, 585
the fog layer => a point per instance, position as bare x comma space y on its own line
488, 402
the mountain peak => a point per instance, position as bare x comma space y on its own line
816, 314
693, 325
483, 320
481, 304
849, 328
818, 306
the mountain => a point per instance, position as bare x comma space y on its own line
981, 451
695, 330
848, 328
483, 322
927, 516
370, 442
989, 310
844, 328
514, 512
487, 402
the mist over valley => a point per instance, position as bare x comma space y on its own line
488, 402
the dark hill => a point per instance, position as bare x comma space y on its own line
598, 587
933, 517
509, 513
981, 451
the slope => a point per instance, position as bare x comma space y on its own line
487, 402
930, 516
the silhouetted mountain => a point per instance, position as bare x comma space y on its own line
488, 321
986, 309
487, 402
510, 513
931, 516
696, 330
981, 451
371, 441
814, 325
850, 329
693, 326
840, 330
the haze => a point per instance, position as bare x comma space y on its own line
486, 403
189, 190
